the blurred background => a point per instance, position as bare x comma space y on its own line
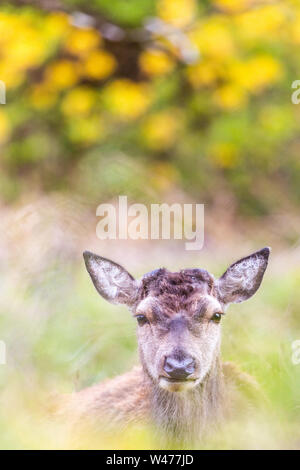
161, 101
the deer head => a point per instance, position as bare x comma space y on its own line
179, 315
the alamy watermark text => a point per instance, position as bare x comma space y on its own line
158, 221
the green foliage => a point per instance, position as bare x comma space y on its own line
222, 119
129, 13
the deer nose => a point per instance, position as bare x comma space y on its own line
179, 368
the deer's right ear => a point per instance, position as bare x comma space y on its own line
112, 281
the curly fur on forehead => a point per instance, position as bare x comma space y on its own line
182, 285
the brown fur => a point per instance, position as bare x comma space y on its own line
176, 291
183, 421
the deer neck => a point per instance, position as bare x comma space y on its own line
186, 416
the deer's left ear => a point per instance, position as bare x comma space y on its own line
243, 278
113, 282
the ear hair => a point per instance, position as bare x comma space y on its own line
243, 278
111, 280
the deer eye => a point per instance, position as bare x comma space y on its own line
141, 319
216, 318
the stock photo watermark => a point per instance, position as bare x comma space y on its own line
2, 353
153, 222
2, 92
296, 94
296, 352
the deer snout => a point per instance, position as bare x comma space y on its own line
179, 367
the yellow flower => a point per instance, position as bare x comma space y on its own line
41, 97
56, 25
99, 65
233, 6
127, 99
154, 62
86, 131
61, 74
177, 12
295, 29
160, 130
256, 73
213, 38
27, 49
4, 128
10, 75
230, 97
82, 41
203, 74
9, 24
78, 101
267, 20
224, 154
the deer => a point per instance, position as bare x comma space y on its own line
180, 386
